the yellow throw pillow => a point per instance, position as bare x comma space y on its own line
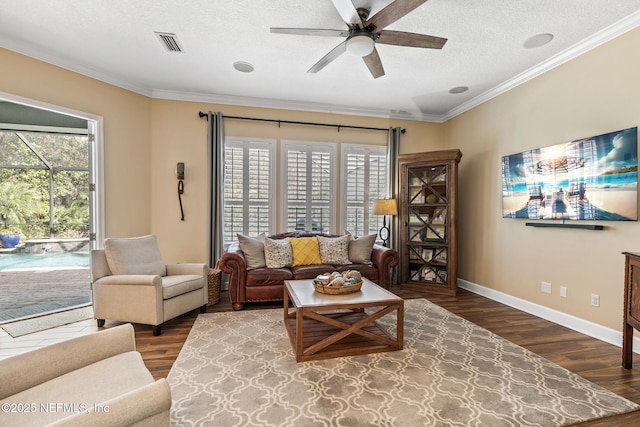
306, 251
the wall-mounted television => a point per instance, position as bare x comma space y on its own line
594, 178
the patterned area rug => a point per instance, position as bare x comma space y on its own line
238, 369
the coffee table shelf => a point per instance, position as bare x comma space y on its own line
322, 326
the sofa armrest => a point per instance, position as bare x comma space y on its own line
146, 406
384, 259
49, 362
187, 268
130, 280
197, 269
99, 265
129, 297
234, 264
233, 259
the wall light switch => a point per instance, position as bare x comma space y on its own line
563, 291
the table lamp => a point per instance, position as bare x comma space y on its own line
385, 207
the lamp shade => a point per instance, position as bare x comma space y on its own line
385, 207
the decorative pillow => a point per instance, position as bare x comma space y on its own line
360, 249
334, 250
134, 255
253, 249
277, 252
305, 251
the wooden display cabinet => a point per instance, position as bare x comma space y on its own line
631, 318
428, 220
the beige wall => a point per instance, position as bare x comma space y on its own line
596, 93
179, 135
127, 132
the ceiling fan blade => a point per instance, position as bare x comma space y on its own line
329, 57
401, 38
310, 32
392, 12
374, 64
348, 12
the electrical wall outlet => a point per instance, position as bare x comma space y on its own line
595, 300
545, 287
563, 291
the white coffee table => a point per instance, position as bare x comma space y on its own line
322, 326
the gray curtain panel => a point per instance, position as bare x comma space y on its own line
393, 146
215, 155
393, 189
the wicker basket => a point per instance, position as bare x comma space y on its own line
337, 290
214, 278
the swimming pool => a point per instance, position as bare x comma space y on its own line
46, 260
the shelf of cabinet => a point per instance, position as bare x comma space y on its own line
427, 211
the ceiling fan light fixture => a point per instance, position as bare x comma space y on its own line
360, 45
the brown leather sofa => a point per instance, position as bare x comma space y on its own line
267, 284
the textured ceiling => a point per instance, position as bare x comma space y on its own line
114, 41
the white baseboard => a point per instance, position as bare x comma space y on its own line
586, 327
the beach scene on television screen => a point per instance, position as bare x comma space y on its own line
595, 178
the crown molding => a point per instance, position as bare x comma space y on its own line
245, 101
44, 56
624, 25
615, 30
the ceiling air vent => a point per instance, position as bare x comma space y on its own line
170, 42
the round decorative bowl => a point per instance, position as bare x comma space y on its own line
337, 290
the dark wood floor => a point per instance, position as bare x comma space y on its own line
590, 358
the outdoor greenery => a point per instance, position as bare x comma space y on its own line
28, 163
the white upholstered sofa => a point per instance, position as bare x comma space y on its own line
131, 283
93, 380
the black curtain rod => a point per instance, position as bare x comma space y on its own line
289, 122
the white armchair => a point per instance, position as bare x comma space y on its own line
131, 283
100, 378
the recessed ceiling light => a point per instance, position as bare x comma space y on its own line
459, 89
538, 40
242, 66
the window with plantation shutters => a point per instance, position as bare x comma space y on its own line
308, 177
248, 187
301, 187
364, 180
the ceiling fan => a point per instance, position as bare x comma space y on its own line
364, 32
